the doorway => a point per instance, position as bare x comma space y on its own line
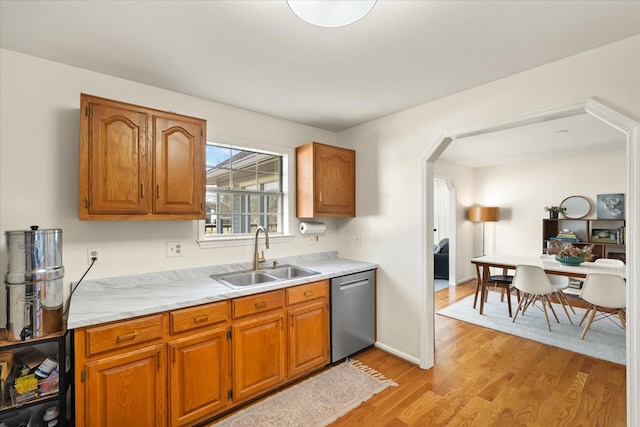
627, 126
444, 213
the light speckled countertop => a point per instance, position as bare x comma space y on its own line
118, 298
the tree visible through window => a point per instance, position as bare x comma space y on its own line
244, 190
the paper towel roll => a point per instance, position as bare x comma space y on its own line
312, 227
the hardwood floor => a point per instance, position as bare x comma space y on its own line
488, 378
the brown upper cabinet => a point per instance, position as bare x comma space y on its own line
325, 181
139, 163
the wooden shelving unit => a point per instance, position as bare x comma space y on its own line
63, 343
589, 231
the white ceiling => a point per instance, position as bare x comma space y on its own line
561, 138
259, 56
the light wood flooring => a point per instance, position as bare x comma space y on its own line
487, 378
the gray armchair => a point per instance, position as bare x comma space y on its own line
441, 260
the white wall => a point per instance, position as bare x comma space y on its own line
391, 151
39, 134
519, 230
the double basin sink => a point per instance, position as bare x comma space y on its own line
262, 277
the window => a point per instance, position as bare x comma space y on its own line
246, 188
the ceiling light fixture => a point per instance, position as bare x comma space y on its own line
331, 13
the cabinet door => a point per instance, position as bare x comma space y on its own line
114, 144
308, 337
127, 389
335, 178
258, 355
179, 152
199, 377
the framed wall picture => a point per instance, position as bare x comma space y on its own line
610, 206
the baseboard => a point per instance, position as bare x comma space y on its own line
397, 353
463, 281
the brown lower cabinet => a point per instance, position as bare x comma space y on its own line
128, 389
198, 376
182, 367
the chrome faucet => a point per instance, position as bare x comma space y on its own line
257, 259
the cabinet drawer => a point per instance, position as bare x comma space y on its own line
307, 292
197, 317
123, 334
260, 303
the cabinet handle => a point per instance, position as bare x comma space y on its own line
308, 294
142, 190
200, 319
158, 359
157, 191
127, 337
320, 197
261, 304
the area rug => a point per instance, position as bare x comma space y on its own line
605, 339
317, 401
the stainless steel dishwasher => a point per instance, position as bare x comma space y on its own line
352, 314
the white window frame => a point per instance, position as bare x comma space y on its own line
288, 210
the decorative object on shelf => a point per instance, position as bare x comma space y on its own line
553, 211
483, 214
575, 207
610, 206
604, 235
566, 235
569, 254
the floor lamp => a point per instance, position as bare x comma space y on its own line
483, 214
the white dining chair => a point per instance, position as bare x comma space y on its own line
604, 292
559, 284
534, 284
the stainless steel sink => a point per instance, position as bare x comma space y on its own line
290, 272
261, 277
248, 279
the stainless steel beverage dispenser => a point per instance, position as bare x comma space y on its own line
33, 281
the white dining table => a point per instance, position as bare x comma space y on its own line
549, 265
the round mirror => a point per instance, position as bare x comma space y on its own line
575, 207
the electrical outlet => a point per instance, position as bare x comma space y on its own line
174, 249
94, 253
313, 239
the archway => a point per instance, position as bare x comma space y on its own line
600, 111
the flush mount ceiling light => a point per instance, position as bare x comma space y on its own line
331, 13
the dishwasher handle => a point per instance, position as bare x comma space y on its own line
353, 284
